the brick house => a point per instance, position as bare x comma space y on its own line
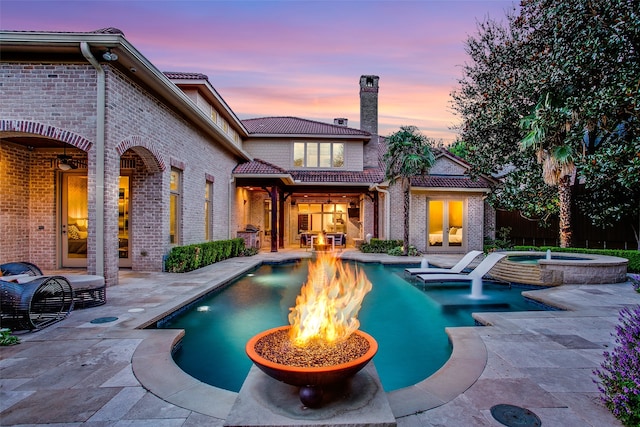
106, 162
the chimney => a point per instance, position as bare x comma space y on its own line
369, 118
369, 104
340, 121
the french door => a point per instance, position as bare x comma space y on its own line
74, 219
124, 238
445, 222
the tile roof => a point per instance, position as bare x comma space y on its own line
372, 175
258, 167
449, 181
185, 76
298, 126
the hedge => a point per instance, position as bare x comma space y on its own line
632, 255
378, 246
191, 257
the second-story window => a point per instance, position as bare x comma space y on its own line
318, 154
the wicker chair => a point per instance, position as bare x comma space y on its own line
21, 267
88, 290
35, 304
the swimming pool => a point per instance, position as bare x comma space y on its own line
408, 322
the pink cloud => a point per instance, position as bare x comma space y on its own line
299, 58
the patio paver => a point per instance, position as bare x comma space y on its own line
76, 372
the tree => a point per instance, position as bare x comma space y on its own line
547, 126
408, 154
549, 83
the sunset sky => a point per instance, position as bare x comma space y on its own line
294, 58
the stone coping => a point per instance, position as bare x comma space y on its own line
589, 269
153, 356
591, 259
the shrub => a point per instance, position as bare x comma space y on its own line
620, 371
635, 281
6, 338
191, 257
379, 246
502, 240
398, 251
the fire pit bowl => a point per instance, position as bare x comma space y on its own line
310, 379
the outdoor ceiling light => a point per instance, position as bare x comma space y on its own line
65, 162
110, 56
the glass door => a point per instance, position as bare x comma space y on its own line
74, 219
124, 198
445, 224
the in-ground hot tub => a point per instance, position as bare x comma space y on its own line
533, 268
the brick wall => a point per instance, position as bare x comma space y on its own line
475, 220
62, 98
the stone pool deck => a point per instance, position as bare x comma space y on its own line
80, 373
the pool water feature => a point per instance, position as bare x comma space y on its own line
533, 259
407, 321
554, 269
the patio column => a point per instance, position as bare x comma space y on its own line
376, 216
273, 192
281, 220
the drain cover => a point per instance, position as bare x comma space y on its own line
104, 320
515, 416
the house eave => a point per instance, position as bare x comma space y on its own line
449, 190
65, 47
308, 136
285, 178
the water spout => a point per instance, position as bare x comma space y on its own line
424, 263
476, 288
548, 253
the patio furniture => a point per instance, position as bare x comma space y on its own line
339, 239
20, 267
89, 290
476, 274
36, 303
305, 240
457, 268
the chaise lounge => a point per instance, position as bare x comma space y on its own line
476, 274
34, 304
88, 290
457, 268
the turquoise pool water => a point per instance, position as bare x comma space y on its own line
406, 319
533, 259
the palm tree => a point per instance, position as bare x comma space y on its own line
547, 128
408, 154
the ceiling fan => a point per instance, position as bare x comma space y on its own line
65, 162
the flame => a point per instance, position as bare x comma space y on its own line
320, 239
328, 304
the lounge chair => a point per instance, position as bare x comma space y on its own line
20, 267
36, 303
460, 265
88, 290
477, 273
